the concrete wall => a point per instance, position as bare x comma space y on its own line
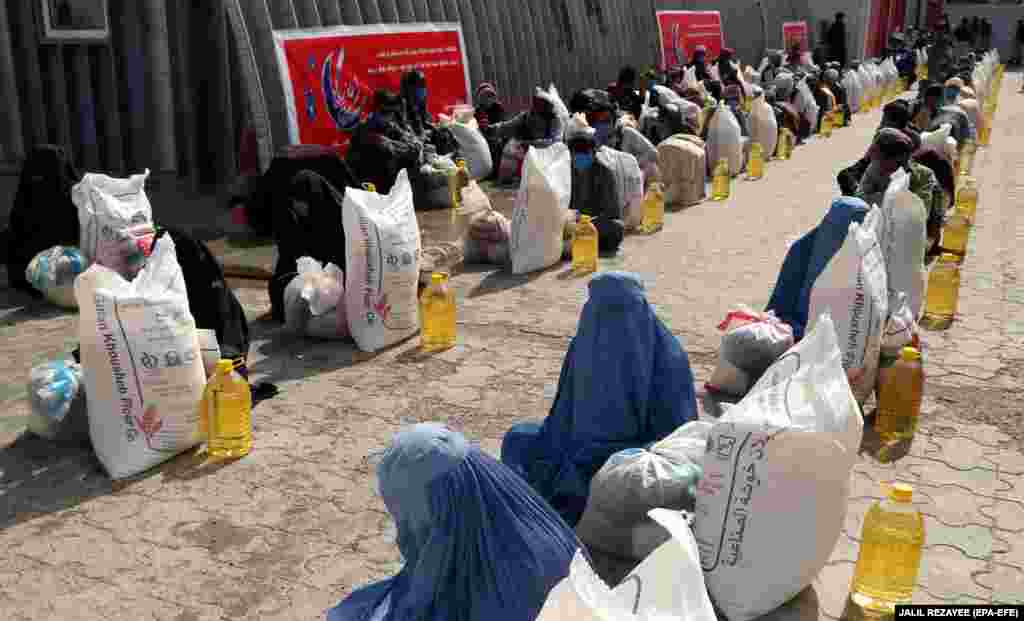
1003, 18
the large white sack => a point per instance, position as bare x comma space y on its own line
764, 127
473, 146
382, 252
725, 140
936, 140
634, 481
806, 105
629, 181
314, 301
903, 238
116, 221
144, 375
682, 160
853, 290
541, 205
667, 585
776, 480
637, 145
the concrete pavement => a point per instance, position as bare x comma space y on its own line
288, 531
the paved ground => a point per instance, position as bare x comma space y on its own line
288, 531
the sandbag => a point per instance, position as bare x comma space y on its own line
116, 221
540, 209
751, 342
629, 181
473, 146
635, 481
903, 238
144, 373
56, 399
853, 289
314, 301
764, 127
382, 251
667, 585
683, 165
725, 140
772, 501
53, 272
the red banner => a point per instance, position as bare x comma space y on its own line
795, 32
330, 75
682, 31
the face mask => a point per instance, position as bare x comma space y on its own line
602, 132
583, 161
486, 101
952, 95
421, 95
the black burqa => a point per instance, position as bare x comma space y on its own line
43, 215
273, 185
837, 42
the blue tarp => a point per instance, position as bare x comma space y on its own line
625, 383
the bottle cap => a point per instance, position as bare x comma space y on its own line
460, 163
225, 366
909, 354
369, 187
584, 219
901, 492
438, 278
949, 257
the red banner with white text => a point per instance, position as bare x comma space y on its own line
795, 33
682, 31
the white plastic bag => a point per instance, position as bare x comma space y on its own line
751, 342
53, 272
540, 209
314, 300
629, 182
764, 127
772, 500
144, 373
903, 239
116, 221
382, 251
472, 146
634, 481
725, 140
56, 398
853, 290
936, 140
667, 585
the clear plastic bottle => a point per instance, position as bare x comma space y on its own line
226, 413
967, 198
653, 209
755, 167
892, 542
900, 389
437, 313
458, 180
956, 233
584, 246
826, 125
943, 297
720, 181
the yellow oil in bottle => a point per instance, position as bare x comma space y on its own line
755, 167
900, 389
584, 246
943, 297
956, 233
985, 134
458, 180
653, 209
226, 413
720, 181
826, 126
437, 314
892, 542
967, 198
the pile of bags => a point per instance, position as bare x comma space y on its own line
53, 272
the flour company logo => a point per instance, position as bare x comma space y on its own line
150, 361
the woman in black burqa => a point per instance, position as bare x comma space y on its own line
43, 215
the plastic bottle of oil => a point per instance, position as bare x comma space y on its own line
584, 246
826, 125
890, 553
943, 297
755, 167
226, 413
900, 388
458, 180
967, 157
437, 312
653, 209
785, 149
967, 198
720, 181
956, 233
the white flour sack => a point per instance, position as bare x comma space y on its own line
540, 209
771, 503
853, 289
382, 250
144, 375
116, 221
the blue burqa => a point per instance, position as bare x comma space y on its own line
626, 383
807, 259
478, 543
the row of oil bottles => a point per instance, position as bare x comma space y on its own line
893, 534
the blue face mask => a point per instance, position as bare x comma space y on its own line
602, 132
421, 95
952, 95
583, 161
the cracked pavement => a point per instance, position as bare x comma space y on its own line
288, 531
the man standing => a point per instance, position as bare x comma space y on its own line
837, 40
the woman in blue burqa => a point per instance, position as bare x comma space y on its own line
478, 543
626, 383
807, 258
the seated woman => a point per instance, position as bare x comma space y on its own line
478, 543
381, 146
490, 111
625, 383
538, 126
594, 187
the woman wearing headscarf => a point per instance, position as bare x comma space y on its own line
625, 383
414, 95
477, 543
490, 111
381, 145
699, 61
594, 186
43, 215
890, 151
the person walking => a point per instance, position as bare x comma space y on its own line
837, 40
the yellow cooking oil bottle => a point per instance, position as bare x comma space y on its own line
967, 157
437, 313
458, 180
785, 148
943, 297
900, 389
826, 125
955, 234
892, 542
584, 246
967, 198
653, 209
226, 413
755, 168
720, 181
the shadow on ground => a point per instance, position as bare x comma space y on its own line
16, 307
